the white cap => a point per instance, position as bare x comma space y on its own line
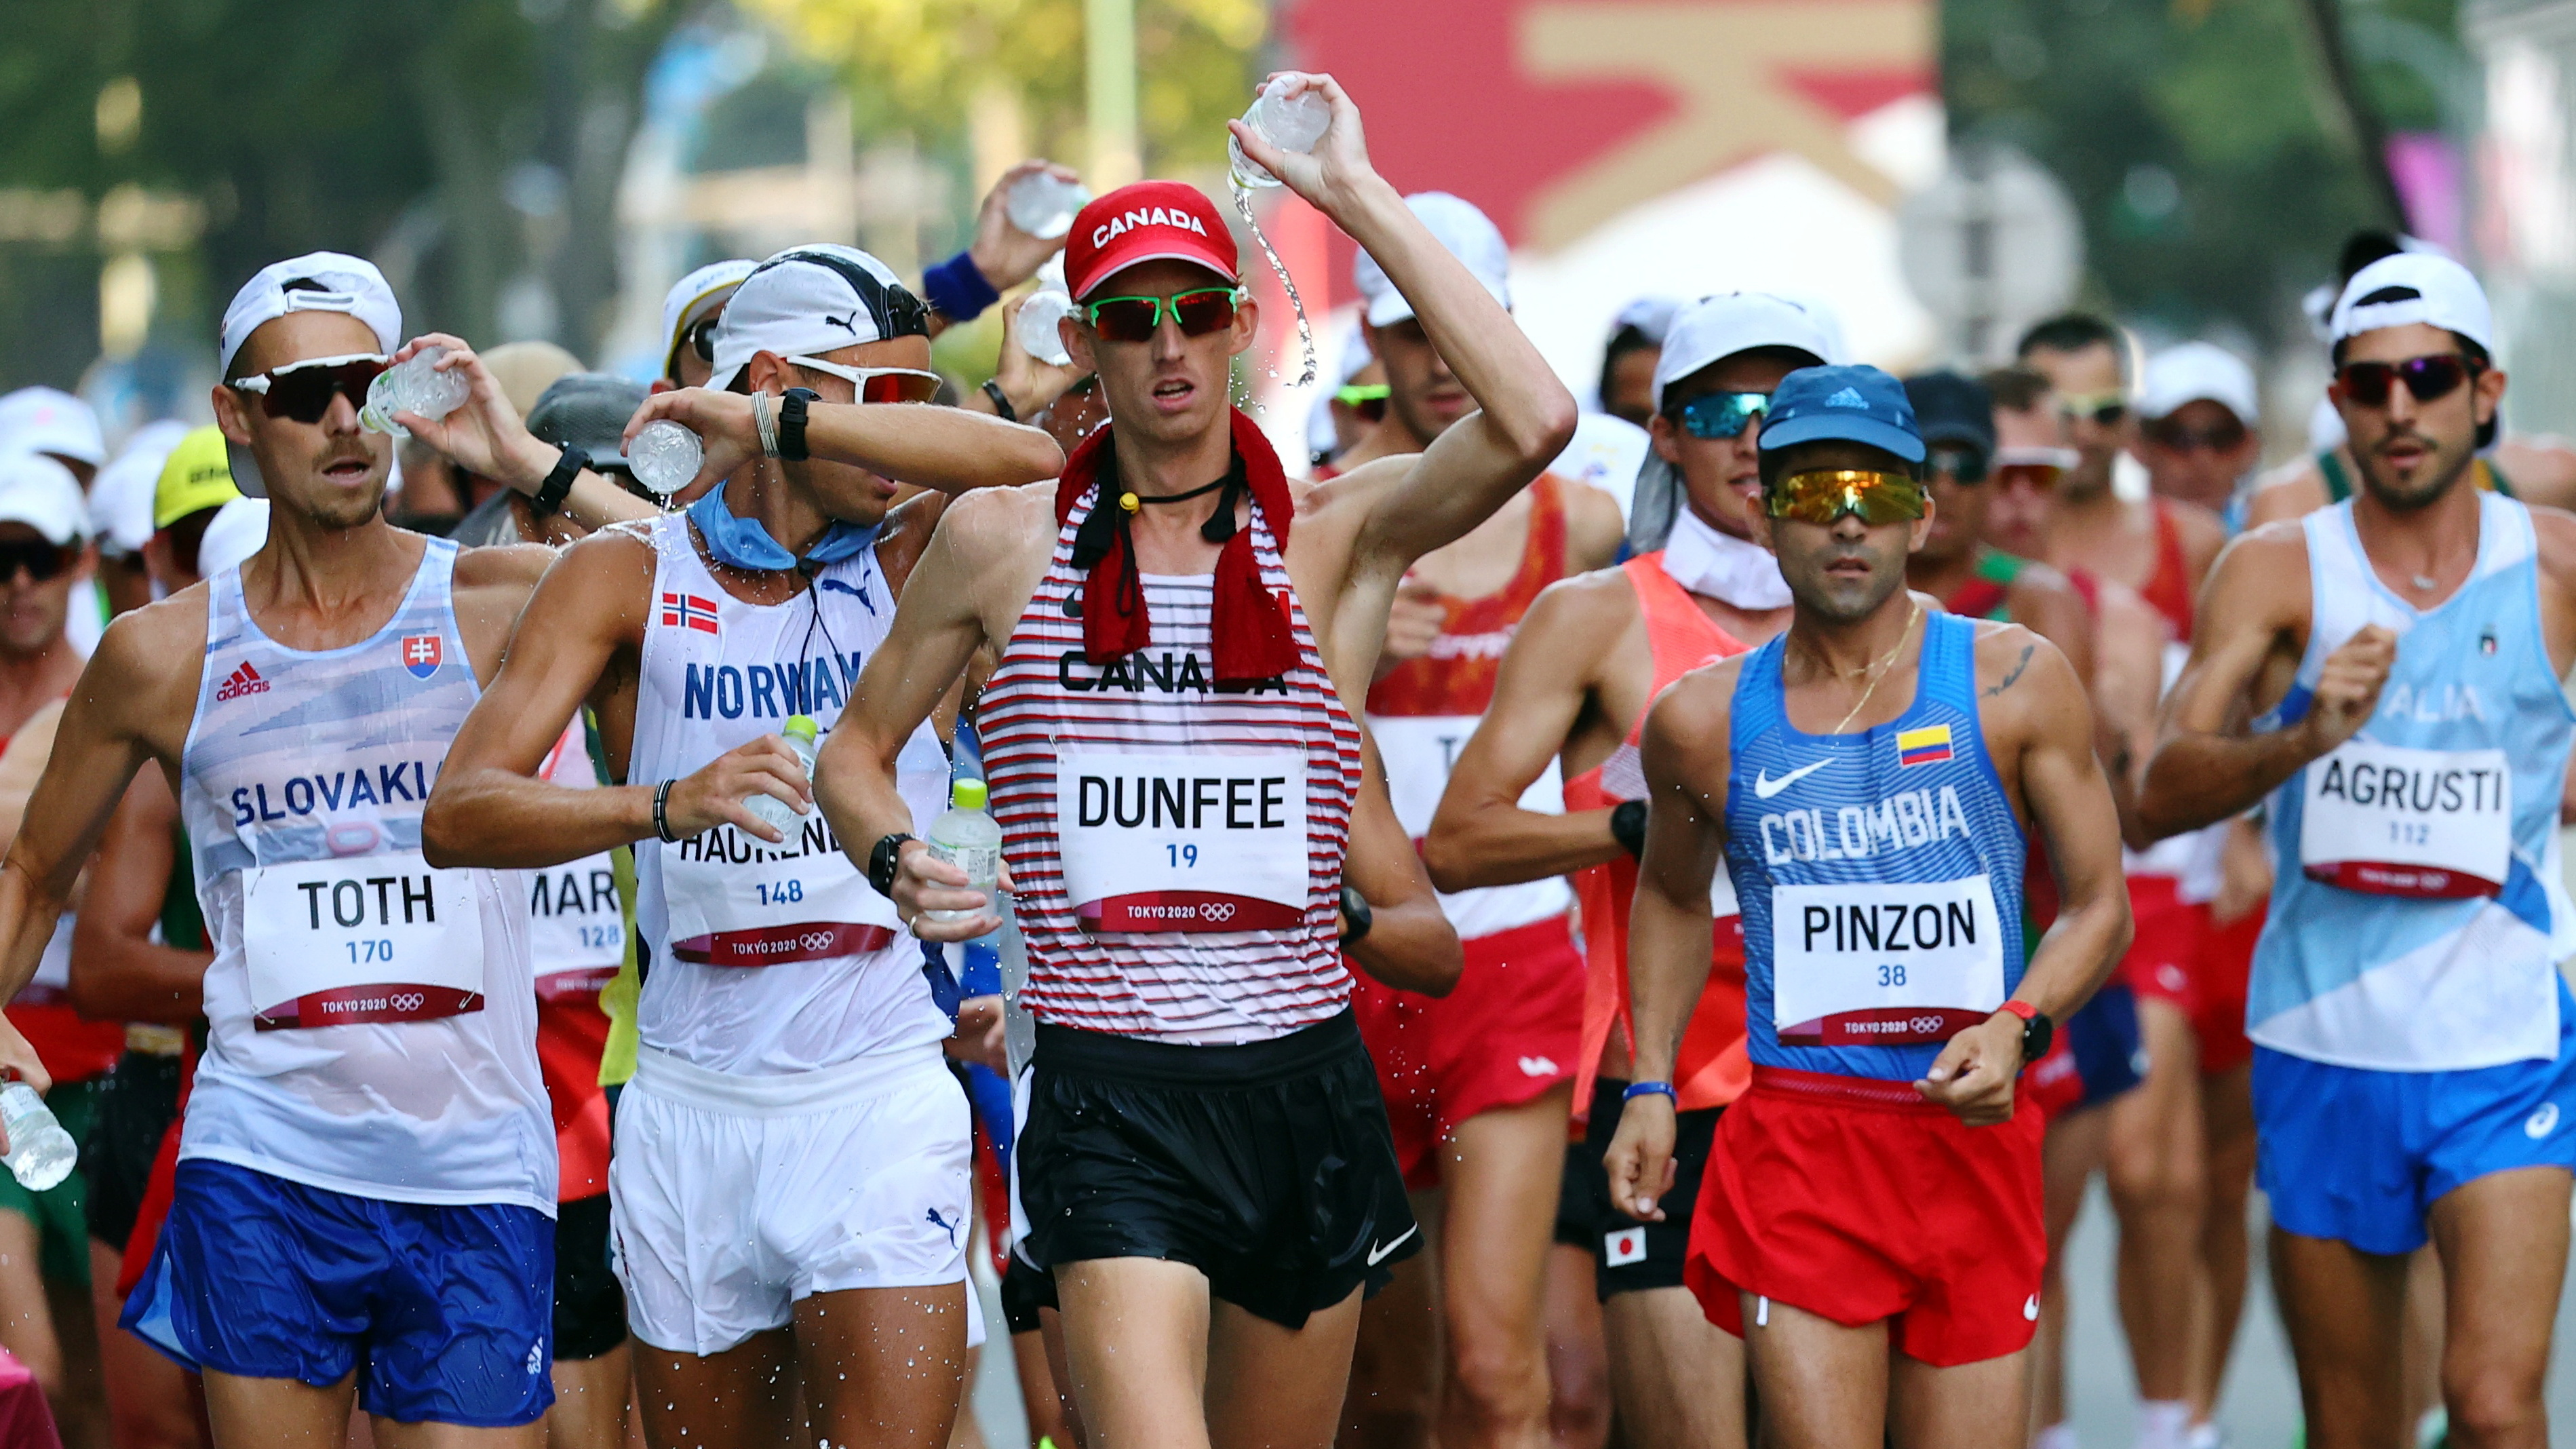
238, 530
1455, 223
313, 282
810, 300
49, 420
42, 494
120, 501
1731, 322
2199, 372
693, 297
2414, 287
1652, 316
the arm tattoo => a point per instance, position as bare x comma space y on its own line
2009, 680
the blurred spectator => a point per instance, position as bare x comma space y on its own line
689, 313
2197, 413
1628, 362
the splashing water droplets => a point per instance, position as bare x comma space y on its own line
1305, 329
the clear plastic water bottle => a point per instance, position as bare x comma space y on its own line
1291, 123
967, 838
664, 456
801, 734
1043, 205
1036, 329
41, 1153
413, 387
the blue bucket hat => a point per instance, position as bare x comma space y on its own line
1856, 404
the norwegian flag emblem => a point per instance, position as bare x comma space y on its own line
421, 654
688, 611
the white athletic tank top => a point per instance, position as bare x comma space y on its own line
2417, 912
1178, 852
768, 960
372, 1021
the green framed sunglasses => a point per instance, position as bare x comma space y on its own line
1133, 319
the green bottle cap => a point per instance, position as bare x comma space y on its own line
967, 794
801, 727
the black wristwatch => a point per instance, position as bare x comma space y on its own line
884, 860
2037, 1031
791, 422
1001, 402
1356, 915
1628, 827
551, 493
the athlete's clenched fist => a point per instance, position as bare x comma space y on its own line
2348, 686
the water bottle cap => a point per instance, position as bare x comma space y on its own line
801, 727
967, 794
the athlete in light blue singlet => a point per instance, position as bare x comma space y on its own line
2415, 1051
1875, 1193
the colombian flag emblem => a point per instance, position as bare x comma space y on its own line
1929, 745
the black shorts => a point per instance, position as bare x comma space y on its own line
590, 1309
1268, 1167
137, 1102
1026, 1288
1581, 1190
1648, 1255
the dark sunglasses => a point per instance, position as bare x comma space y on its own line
41, 560
303, 391
1722, 414
702, 338
2217, 437
2102, 409
1133, 319
1367, 399
1960, 465
2437, 375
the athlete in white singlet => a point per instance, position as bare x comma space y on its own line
790, 1184
367, 1171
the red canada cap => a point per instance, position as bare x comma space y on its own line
1148, 221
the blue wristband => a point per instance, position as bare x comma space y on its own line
1650, 1089
956, 289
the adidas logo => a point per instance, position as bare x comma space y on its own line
1847, 398
244, 680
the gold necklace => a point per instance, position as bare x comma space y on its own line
1878, 671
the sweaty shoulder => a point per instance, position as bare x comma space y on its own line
2542, 469
2293, 489
1000, 525
148, 664
1702, 699
1593, 526
1597, 603
517, 565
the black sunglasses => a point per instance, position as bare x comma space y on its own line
2219, 437
2436, 375
702, 338
42, 561
303, 390
1961, 465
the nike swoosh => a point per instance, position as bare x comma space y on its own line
1764, 787
1377, 1255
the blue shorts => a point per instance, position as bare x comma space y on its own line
2103, 1036
2360, 1156
445, 1312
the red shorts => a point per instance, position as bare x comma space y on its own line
1860, 1202
1509, 1032
2181, 956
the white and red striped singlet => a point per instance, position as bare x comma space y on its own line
1075, 751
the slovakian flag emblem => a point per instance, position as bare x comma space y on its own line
421, 654
1929, 745
688, 611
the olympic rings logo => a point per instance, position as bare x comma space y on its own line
815, 940
1927, 1025
1217, 911
407, 1000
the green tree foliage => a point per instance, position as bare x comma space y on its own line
2214, 164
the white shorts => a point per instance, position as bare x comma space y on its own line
732, 1197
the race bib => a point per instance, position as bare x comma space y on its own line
737, 901
576, 929
2389, 821
375, 938
1884, 965
1184, 842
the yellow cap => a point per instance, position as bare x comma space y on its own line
198, 476
967, 794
